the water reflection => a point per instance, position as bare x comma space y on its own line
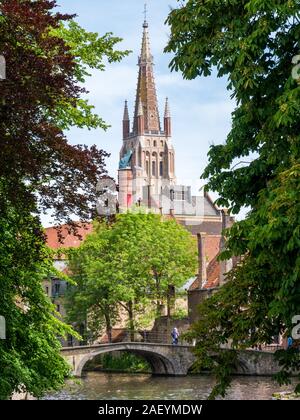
118, 386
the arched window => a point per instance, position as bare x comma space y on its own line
154, 143
147, 163
161, 168
153, 168
162, 143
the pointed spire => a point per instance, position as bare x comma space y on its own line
146, 56
126, 113
167, 109
140, 112
126, 122
167, 120
146, 91
140, 119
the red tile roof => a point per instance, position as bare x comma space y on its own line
213, 276
70, 240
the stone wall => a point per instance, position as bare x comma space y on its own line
195, 297
256, 363
163, 327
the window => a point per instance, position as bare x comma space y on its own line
172, 195
161, 168
154, 168
180, 195
47, 291
58, 308
70, 340
57, 288
147, 167
140, 156
162, 143
154, 143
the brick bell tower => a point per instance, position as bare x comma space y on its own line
147, 157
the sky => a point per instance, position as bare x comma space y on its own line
201, 109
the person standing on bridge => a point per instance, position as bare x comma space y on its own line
175, 336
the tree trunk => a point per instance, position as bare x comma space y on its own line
168, 305
108, 326
170, 300
131, 320
157, 286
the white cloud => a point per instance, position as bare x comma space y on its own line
116, 82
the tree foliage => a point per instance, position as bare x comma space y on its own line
253, 43
128, 264
47, 58
29, 357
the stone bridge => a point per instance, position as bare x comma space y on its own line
166, 359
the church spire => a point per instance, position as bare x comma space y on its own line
167, 119
140, 119
146, 91
126, 113
140, 112
167, 109
126, 122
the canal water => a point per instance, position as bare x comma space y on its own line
124, 386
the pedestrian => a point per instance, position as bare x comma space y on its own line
175, 336
289, 342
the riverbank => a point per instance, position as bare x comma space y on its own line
286, 396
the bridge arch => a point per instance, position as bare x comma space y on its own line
159, 361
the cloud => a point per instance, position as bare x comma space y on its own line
118, 81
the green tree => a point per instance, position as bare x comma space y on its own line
47, 57
172, 257
94, 299
29, 357
129, 264
253, 43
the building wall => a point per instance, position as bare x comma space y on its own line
163, 327
195, 297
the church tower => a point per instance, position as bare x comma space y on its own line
147, 157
